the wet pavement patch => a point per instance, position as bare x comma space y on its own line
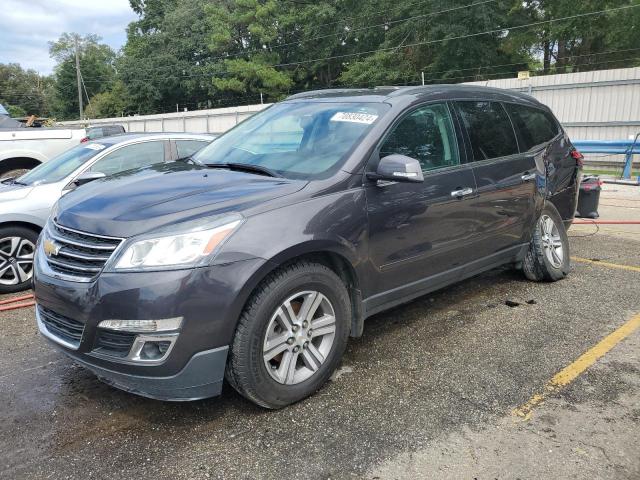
435, 379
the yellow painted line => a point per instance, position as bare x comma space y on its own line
606, 264
572, 371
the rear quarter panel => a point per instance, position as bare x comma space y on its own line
563, 176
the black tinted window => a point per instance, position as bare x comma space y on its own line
427, 135
534, 126
115, 130
490, 129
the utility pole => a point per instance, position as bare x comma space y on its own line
78, 76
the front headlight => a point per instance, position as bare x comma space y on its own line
187, 247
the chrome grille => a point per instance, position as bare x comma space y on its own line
61, 327
79, 254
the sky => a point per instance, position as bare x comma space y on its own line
26, 27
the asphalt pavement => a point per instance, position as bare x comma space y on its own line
429, 391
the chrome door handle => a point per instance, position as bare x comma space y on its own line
462, 192
528, 176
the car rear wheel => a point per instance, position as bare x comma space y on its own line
291, 335
17, 248
548, 256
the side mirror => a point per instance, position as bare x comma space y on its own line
398, 168
87, 177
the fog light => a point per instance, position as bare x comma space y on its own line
154, 350
142, 326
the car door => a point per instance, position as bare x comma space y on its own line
506, 179
128, 157
420, 232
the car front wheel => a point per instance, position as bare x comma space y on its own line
291, 335
17, 247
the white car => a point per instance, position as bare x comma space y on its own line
25, 202
22, 149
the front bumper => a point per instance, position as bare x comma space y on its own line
201, 377
208, 299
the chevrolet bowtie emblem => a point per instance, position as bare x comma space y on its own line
51, 248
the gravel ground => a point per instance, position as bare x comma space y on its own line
427, 392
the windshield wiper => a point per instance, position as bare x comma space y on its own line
189, 159
246, 167
13, 181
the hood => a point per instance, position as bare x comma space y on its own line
139, 201
14, 191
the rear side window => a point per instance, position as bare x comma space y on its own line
427, 135
94, 133
535, 126
186, 148
114, 130
137, 155
489, 128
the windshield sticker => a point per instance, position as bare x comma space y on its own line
354, 117
95, 146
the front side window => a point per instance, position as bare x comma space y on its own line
489, 128
129, 157
427, 135
535, 126
303, 140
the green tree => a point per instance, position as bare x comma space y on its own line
164, 61
97, 66
198, 53
583, 43
113, 103
23, 92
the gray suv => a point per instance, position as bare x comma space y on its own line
259, 260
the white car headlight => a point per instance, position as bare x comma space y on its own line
183, 248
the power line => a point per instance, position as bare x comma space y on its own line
500, 30
507, 72
305, 40
460, 37
415, 44
476, 67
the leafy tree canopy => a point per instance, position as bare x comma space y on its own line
23, 92
206, 53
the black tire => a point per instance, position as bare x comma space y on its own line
537, 264
246, 370
23, 233
15, 167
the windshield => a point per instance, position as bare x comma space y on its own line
58, 168
296, 140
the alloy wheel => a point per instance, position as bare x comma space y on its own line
16, 260
299, 337
551, 241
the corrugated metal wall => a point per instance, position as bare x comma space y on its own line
217, 120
